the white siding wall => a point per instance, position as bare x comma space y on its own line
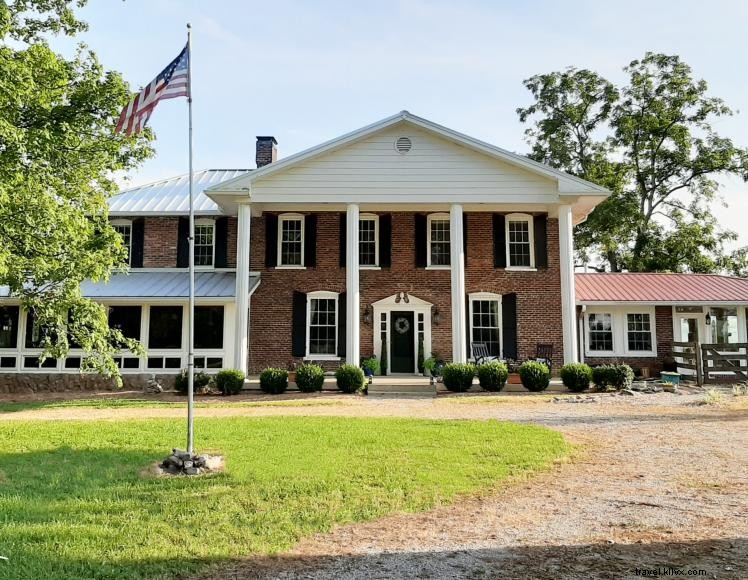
434, 167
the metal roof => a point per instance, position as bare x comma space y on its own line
659, 287
166, 285
172, 196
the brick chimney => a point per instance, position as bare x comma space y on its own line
266, 151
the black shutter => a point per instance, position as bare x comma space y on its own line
222, 242
465, 236
499, 241
420, 242
183, 243
137, 242
341, 324
509, 320
540, 229
271, 240
385, 240
298, 325
310, 240
343, 222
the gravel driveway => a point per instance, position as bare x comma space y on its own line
661, 483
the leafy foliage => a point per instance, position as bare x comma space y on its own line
535, 375
57, 158
651, 143
371, 364
230, 381
458, 377
200, 380
576, 376
349, 378
617, 376
310, 378
492, 375
274, 381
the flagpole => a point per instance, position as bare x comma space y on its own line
191, 314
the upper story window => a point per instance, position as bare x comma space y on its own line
291, 240
639, 332
600, 332
124, 229
438, 240
205, 230
519, 241
322, 324
368, 240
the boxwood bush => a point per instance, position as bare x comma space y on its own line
617, 376
350, 378
458, 377
274, 381
576, 376
535, 375
492, 375
230, 381
200, 381
310, 378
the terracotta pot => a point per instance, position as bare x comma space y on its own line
514, 379
291, 376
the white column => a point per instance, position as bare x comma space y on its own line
241, 330
353, 299
457, 261
568, 297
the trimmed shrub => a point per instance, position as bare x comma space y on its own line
274, 381
618, 376
350, 378
310, 378
230, 381
535, 376
200, 381
576, 376
492, 375
458, 377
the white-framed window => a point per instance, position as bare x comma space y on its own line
368, 240
205, 246
124, 229
638, 332
600, 332
322, 325
291, 240
723, 327
520, 252
438, 240
485, 321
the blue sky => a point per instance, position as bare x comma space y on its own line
308, 71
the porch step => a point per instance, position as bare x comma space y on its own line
407, 389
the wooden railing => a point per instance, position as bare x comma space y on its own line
712, 362
686, 355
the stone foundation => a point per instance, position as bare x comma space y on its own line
17, 383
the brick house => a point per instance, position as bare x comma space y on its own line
400, 237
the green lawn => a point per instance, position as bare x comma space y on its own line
112, 403
73, 502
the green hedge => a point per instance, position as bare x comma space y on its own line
200, 380
274, 381
458, 377
310, 378
576, 376
350, 378
617, 376
492, 376
230, 381
535, 376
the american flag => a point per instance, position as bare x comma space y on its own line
171, 82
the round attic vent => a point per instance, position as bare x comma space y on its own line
403, 145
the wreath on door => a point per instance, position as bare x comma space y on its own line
402, 325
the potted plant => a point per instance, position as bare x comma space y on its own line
429, 366
292, 371
370, 366
513, 368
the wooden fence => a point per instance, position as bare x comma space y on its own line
712, 362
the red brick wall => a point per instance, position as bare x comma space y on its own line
160, 242
664, 336
538, 293
231, 242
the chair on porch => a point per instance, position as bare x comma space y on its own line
544, 354
481, 354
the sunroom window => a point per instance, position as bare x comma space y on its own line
438, 232
519, 241
165, 329
291, 240
8, 326
600, 332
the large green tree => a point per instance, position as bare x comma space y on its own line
58, 156
651, 142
